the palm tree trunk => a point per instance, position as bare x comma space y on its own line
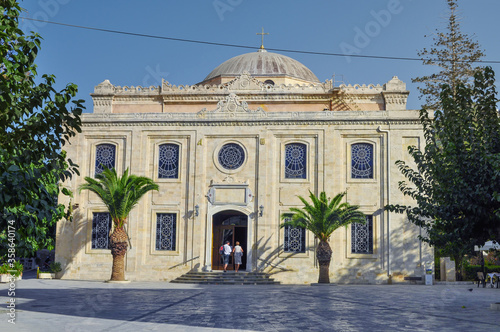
118, 250
324, 255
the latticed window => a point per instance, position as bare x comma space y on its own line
362, 237
166, 225
104, 157
295, 239
295, 161
168, 167
101, 225
231, 156
362, 161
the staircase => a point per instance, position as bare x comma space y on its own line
228, 278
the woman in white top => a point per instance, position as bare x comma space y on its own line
238, 253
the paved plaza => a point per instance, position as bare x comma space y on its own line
64, 305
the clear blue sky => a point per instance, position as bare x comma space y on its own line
390, 28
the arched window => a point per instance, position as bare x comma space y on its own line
168, 161
270, 82
362, 161
105, 155
295, 161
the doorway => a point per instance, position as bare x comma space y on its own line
229, 226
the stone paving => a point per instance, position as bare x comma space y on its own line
64, 305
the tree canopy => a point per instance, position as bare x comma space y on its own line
457, 180
36, 122
454, 53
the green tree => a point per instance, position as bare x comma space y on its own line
120, 195
454, 53
35, 123
322, 218
458, 173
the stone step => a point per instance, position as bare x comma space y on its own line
228, 278
184, 279
230, 272
224, 282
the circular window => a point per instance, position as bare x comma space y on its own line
231, 156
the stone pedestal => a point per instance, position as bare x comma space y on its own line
447, 269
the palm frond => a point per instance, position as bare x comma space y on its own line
119, 194
323, 216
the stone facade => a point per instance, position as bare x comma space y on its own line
231, 143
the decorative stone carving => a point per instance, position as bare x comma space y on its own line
103, 104
229, 191
361, 89
229, 180
104, 88
395, 100
395, 84
395, 94
246, 82
135, 90
103, 97
231, 106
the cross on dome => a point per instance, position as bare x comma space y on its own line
262, 40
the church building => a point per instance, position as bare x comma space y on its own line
231, 154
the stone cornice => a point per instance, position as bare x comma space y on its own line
253, 123
250, 98
254, 118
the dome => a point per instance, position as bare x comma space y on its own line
263, 64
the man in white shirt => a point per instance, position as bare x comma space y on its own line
227, 252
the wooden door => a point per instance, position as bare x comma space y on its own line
222, 233
228, 226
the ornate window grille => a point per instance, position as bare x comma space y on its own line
362, 237
231, 156
166, 225
104, 157
362, 161
295, 239
168, 167
101, 225
295, 161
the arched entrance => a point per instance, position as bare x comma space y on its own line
229, 226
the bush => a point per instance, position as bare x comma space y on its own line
472, 270
15, 270
55, 267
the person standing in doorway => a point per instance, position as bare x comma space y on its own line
238, 253
227, 253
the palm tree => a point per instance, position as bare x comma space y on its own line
322, 218
120, 195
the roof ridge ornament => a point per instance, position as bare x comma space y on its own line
262, 49
232, 105
245, 82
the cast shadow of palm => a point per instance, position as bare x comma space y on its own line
66, 250
270, 259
